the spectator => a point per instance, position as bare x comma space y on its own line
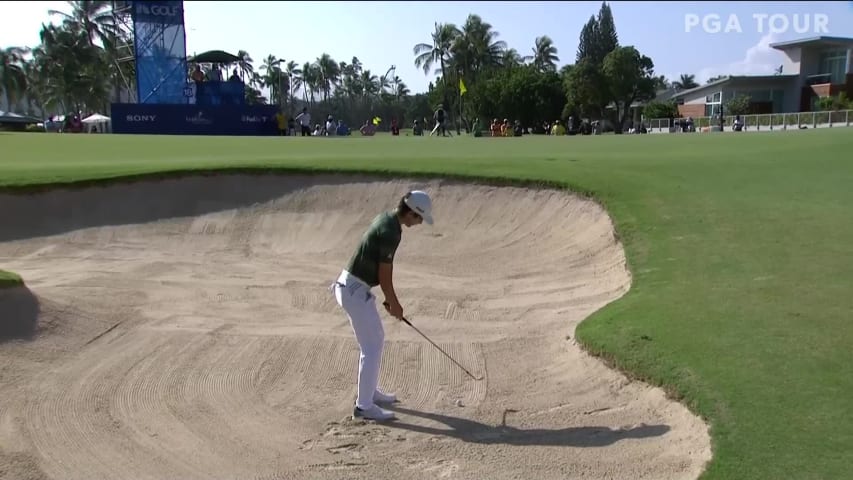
331, 126
282, 123
304, 120
367, 129
558, 129
439, 117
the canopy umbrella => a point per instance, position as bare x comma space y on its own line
214, 56
9, 117
92, 121
96, 118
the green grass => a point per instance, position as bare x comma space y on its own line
9, 279
741, 248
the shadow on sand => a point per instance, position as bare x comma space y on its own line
476, 432
19, 311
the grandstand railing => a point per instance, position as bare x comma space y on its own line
764, 122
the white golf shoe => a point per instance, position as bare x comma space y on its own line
372, 413
382, 397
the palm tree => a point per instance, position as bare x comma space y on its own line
477, 49
13, 78
76, 73
244, 65
95, 17
329, 74
511, 58
35, 88
661, 83
438, 53
685, 82
310, 81
272, 78
369, 84
544, 54
294, 75
401, 89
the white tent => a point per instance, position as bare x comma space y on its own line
95, 120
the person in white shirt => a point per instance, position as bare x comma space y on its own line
331, 126
304, 120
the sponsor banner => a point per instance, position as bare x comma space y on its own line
164, 12
164, 119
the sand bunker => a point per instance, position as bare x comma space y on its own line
185, 330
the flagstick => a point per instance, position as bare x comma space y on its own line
459, 123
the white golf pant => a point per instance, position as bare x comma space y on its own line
359, 303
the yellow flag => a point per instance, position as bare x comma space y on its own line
462, 88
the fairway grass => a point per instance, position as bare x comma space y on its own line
740, 247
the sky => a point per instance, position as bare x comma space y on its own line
680, 37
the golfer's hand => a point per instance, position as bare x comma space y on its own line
395, 310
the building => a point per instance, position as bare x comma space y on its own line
811, 68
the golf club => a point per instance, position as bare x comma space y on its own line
387, 305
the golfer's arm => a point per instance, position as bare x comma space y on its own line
386, 271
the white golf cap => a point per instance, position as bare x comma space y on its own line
421, 204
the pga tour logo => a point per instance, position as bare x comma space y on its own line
157, 10
764, 22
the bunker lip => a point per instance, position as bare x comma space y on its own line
194, 313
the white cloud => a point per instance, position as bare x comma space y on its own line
760, 59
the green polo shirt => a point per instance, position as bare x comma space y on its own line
378, 245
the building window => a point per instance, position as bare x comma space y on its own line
712, 104
712, 109
834, 63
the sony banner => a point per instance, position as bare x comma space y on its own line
161, 119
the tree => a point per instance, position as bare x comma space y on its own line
584, 87
544, 54
598, 37
524, 93
76, 73
606, 40
715, 78
587, 42
271, 78
244, 66
294, 81
93, 17
329, 74
630, 77
738, 105
437, 53
655, 109
13, 78
476, 50
685, 82
837, 102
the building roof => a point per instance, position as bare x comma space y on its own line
735, 79
813, 41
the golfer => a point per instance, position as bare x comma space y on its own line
371, 265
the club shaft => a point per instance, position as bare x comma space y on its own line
386, 304
439, 349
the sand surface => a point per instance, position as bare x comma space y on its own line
182, 329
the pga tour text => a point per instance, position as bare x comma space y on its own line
762, 22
